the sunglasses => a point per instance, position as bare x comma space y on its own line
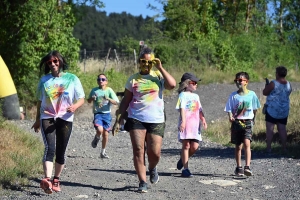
101, 79
240, 80
49, 62
150, 62
193, 83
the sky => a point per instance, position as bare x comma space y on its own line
134, 7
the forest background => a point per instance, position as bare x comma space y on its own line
224, 36
211, 38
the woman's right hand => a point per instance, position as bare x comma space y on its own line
36, 126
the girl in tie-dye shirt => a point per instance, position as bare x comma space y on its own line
189, 130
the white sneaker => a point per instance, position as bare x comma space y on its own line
103, 155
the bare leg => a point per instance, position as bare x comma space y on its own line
247, 149
283, 135
104, 138
58, 169
269, 133
238, 154
138, 148
193, 148
185, 153
154, 143
48, 167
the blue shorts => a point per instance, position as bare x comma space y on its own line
102, 119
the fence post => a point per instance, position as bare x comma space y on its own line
84, 58
106, 60
134, 53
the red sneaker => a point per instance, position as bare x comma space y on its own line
46, 185
56, 185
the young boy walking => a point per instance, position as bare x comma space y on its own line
102, 97
241, 107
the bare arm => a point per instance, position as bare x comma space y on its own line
124, 104
203, 120
170, 82
183, 121
268, 89
37, 123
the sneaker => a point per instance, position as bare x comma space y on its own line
239, 171
142, 187
56, 185
186, 173
95, 142
103, 155
46, 185
122, 130
179, 164
154, 178
247, 171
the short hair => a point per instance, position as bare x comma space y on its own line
281, 71
245, 74
145, 50
62, 62
102, 75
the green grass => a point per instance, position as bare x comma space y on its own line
20, 156
21, 153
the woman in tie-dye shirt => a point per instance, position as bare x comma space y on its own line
189, 129
59, 95
143, 99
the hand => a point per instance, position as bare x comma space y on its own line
157, 62
71, 108
204, 124
267, 81
36, 126
94, 97
181, 128
231, 119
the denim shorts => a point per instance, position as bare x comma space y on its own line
102, 119
240, 130
152, 128
272, 120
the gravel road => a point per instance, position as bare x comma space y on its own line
86, 176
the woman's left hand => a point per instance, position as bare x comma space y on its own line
71, 108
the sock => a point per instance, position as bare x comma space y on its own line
102, 151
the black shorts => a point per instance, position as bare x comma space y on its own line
240, 130
152, 128
272, 120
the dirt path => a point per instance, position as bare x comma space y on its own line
86, 176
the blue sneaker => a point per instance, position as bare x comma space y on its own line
179, 164
142, 187
186, 173
154, 178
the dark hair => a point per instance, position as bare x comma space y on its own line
62, 62
102, 75
145, 50
281, 71
245, 74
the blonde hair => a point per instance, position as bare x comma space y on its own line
183, 85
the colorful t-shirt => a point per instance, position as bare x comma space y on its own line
278, 100
242, 106
190, 102
147, 104
57, 94
101, 105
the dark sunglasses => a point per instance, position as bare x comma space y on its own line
193, 83
101, 79
49, 62
150, 62
240, 80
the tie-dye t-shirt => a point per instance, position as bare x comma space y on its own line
101, 105
242, 106
147, 104
190, 102
57, 94
278, 100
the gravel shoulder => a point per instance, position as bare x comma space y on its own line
86, 176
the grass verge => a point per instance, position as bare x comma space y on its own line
20, 156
